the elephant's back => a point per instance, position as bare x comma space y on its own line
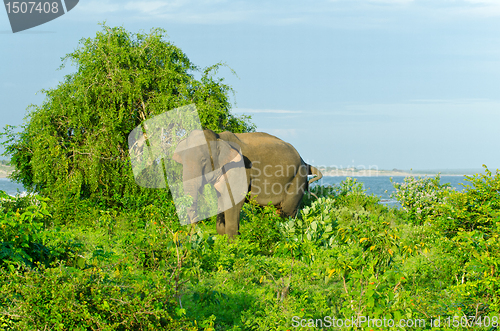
267, 142
264, 149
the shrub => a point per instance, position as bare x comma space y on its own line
317, 191
260, 226
24, 241
477, 207
479, 254
419, 197
316, 224
71, 299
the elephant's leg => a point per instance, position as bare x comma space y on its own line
294, 191
221, 224
232, 216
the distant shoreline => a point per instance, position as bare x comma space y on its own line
382, 173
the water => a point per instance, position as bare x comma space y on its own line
375, 185
379, 184
10, 188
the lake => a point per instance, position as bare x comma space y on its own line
378, 185
374, 185
10, 187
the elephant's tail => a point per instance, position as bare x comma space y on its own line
315, 172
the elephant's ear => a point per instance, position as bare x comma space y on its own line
177, 153
226, 153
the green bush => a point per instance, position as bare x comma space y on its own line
479, 281
24, 239
71, 299
318, 191
477, 207
260, 226
315, 224
419, 197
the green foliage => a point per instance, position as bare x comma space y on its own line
260, 226
419, 197
348, 187
74, 145
316, 224
470, 221
374, 235
465, 226
62, 298
343, 256
479, 254
476, 207
23, 237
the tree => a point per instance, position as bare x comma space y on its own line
74, 145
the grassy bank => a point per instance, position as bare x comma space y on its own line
345, 256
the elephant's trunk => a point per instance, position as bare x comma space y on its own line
213, 176
192, 188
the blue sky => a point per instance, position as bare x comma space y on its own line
381, 83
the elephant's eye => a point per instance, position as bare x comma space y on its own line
204, 160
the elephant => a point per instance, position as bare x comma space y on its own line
258, 163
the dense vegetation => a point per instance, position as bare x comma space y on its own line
74, 145
346, 255
92, 251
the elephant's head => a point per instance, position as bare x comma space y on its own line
205, 159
